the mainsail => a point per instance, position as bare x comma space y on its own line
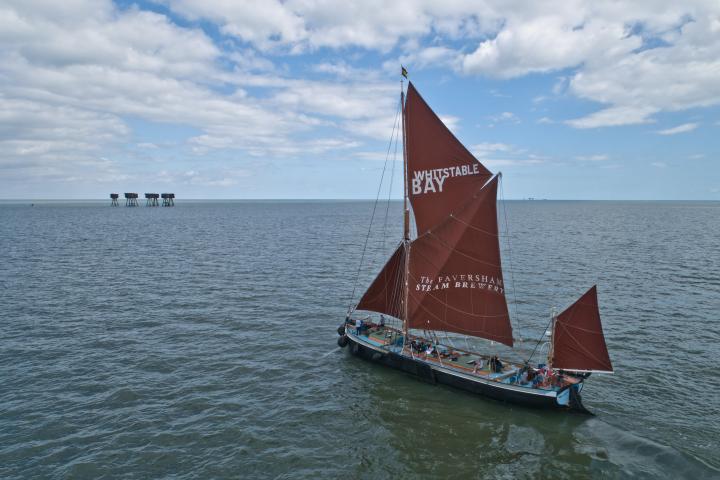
578, 340
441, 173
454, 272
455, 278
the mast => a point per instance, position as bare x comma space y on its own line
553, 318
406, 219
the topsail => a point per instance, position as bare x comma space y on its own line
442, 174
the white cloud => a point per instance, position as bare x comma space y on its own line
55, 142
299, 25
659, 164
452, 122
615, 116
511, 162
262, 23
73, 79
435, 56
484, 149
685, 127
547, 43
503, 117
634, 60
592, 158
76, 76
496, 155
637, 59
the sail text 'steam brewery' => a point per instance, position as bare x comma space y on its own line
449, 279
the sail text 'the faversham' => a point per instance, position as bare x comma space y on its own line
473, 281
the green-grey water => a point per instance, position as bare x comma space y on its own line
199, 342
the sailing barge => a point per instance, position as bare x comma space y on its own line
449, 279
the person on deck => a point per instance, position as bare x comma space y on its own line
382, 321
479, 363
496, 365
358, 326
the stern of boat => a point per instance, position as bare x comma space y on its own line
569, 397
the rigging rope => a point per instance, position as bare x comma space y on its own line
541, 339
372, 217
392, 177
512, 274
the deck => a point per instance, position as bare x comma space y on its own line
460, 360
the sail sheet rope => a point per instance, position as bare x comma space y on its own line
372, 217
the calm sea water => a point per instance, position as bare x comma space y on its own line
199, 342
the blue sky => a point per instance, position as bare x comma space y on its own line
215, 99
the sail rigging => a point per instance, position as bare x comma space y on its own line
450, 276
578, 340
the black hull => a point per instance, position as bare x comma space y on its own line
425, 372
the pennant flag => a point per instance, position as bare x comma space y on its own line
403, 71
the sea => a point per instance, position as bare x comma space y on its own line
199, 342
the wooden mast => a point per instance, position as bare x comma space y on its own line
406, 218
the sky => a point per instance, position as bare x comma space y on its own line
297, 99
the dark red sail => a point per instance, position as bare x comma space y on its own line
442, 174
385, 294
455, 276
578, 340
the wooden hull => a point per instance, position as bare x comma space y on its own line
566, 399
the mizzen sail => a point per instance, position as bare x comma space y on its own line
578, 340
442, 174
455, 275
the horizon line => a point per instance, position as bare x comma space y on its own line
258, 199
